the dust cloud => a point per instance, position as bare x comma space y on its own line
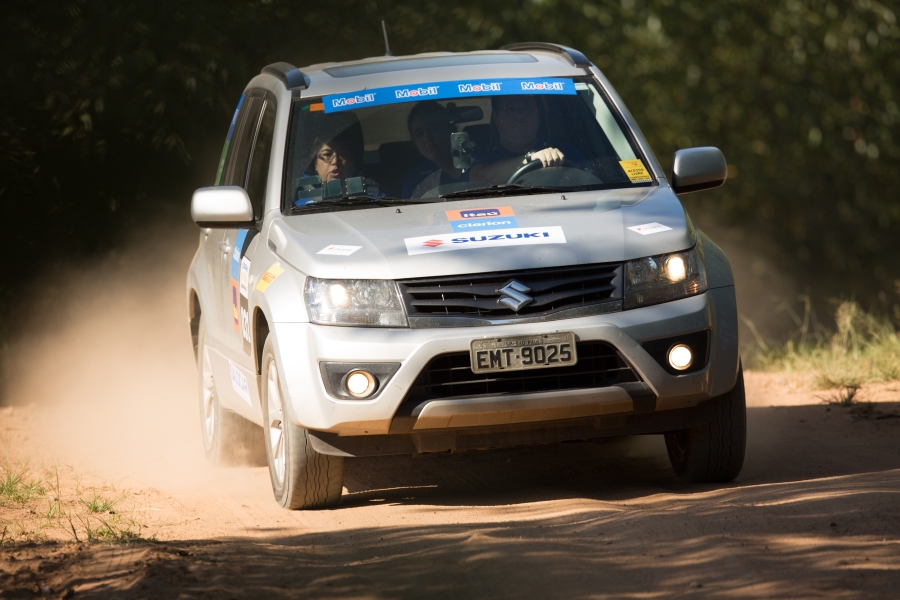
763, 289
105, 357
105, 361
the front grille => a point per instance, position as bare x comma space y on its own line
479, 296
450, 376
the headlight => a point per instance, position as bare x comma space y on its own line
365, 302
664, 278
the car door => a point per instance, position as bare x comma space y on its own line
220, 318
254, 182
234, 241
215, 243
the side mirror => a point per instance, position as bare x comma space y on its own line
696, 169
222, 207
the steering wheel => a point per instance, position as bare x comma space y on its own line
535, 165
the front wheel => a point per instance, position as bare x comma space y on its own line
713, 452
301, 477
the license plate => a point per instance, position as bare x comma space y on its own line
517, 353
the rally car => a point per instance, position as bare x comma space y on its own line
455, 251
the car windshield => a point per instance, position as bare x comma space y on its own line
456, 139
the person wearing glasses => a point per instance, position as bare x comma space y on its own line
338, 156
336, 151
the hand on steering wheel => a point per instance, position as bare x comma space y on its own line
548, 157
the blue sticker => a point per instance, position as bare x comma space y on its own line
484, 224
237, 253
447, 89
234, 118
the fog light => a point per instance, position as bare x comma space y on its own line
359, 384
680, 357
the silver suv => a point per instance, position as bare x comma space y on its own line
446, 252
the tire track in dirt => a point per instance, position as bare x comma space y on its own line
112, 381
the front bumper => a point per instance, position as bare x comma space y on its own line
301, 346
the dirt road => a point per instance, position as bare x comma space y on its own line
103, 401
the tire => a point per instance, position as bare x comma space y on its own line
713, 452
301, 477
228, 438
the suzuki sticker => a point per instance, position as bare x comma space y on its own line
522, 236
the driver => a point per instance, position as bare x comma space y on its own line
517, 123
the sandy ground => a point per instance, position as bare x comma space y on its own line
101, 405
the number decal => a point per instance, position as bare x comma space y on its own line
540, 354
553, 352
564, 353
527, 358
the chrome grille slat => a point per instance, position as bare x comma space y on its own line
476, 295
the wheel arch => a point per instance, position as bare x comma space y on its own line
194, 312
260, 333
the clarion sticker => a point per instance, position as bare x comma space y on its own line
648, 228
522, 236
339, 250
239, 383
476, 219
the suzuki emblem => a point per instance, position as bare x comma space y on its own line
514, 295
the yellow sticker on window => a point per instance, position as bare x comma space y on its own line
268, 277
636, 171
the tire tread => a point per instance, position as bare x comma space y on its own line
713, 452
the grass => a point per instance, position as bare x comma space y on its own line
42, 508
865, 348
14, 487
844, 396
98, 504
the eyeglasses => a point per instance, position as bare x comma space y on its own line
329, 156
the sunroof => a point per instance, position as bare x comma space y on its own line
408, 64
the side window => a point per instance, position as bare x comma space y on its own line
226, 151
258, 173
242, 142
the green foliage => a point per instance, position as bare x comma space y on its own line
97, 504
113, 105
864, 349
15, 487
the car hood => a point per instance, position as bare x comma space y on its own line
594, 225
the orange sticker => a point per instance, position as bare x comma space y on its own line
268, 277
480, 213
316, 107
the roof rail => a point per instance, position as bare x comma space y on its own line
575, 57
292, 77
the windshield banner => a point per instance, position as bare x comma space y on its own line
447, 89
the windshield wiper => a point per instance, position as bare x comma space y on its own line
352, 201
507, 189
